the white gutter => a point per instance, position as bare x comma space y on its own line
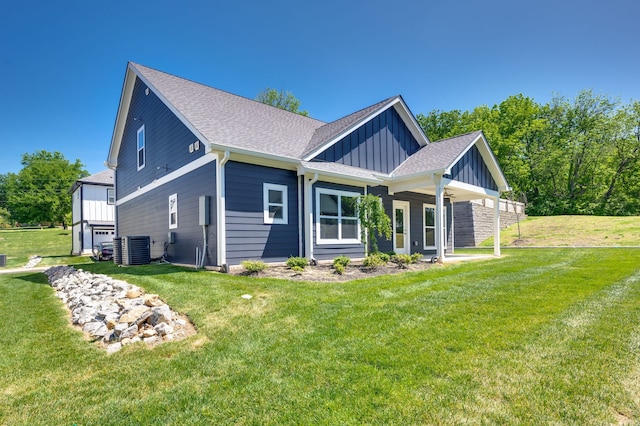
308, 214
221, 209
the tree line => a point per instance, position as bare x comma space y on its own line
568, 156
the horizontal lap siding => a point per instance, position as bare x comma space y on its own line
472, 169
416, 217
330, 251
148, 214
248, 237
167, 142
381, 144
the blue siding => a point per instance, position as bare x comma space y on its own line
248, 237
167, 142
416, 217
329, 251
472, 169
380, 144
148, 214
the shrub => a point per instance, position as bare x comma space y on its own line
341, 260
297, 263
374, 260
402, 260
253, 266
339, 267
297, 269
416, 257
385, 256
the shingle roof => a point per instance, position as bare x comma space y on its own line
104, 178
436, 155
229, 120
342, 169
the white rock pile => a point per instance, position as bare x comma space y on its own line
114, 312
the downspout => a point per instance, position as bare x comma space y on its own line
308, 213
300, 215
439, 217
221, 210
496, 226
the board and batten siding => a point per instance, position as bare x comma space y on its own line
148, 215
381, 144
472, 169
330, 251
247, 236
416, 217
167, 142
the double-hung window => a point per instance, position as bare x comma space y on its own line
173, 211
337, 217
430, 226
275, 203
111, 196
141, 147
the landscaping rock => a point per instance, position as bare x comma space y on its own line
114, 312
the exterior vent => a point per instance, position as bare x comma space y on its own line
136, 250
117, 250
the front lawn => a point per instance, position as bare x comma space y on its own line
539, 336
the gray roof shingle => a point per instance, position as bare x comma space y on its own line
104, 178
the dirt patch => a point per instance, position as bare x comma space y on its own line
326, 273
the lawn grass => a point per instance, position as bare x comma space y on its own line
52, 244
539, 336
572, 231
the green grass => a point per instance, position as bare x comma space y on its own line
572, 231
52, 244
539, 336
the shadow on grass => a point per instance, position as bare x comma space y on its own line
36, 278
109, 268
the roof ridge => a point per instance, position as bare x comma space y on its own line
458, 136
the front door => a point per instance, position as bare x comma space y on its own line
401, 237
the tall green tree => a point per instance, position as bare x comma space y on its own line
39, 192
282, 99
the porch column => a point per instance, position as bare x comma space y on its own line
439, 218
496, 226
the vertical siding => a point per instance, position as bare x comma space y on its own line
167, 142
248, 237
472, 169
95, 205
416, 217
380, 144
148, 214
329, 251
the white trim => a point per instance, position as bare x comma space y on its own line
266, 187
143, 149
221, 218
339, 217
424, 227
173, 208
405, 206
205, 159
111, 197
308, 214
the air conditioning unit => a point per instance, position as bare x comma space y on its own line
136, 250
117, 250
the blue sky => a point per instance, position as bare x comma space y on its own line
62, 63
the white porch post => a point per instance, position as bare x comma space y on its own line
439, 218
308, 215
496, 226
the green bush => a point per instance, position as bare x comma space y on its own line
341, 260
253, 266
416, 257
385, 256
339, 268
297, 263
402, 260
374, 260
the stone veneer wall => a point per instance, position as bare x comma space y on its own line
473, 220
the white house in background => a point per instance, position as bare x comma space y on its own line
93, 201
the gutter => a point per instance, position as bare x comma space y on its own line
221, 231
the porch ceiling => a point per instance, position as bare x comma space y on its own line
455, 191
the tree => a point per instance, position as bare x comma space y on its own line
373, 219
39, 192
282, 99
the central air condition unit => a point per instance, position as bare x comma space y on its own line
136, 250
117, 250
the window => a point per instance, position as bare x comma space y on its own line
275, 204
173, 211
337, 217
430, 225
111, 196
141, 149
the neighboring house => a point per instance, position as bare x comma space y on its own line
93, 202
200, 170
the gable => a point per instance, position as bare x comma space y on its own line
472, 169
380, 144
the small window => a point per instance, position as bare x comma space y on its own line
275, 204
141, 147
430, 226
111, 196
173, 211
337, 218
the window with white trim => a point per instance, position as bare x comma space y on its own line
337, 217
275, 204
111, 196
173, 211
141, 147
429, 222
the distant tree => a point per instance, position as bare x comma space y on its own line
38, 192
282, 99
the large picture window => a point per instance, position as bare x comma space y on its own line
173, 211
275, 203
141, 147
337, 217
